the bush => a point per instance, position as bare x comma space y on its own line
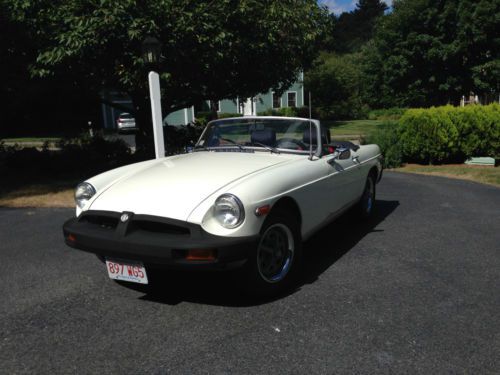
228, 115
203, 118
76, 157
289, 112
178, 138
387, 137
450, 134
440, 135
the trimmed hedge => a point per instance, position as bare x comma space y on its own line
450, 134
440, 135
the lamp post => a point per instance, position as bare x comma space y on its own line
151, 51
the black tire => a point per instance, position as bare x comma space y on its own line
274, 265
366, 204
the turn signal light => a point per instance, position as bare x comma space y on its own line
201, 254
264, 210
71, 238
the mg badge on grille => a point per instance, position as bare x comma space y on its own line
124, 218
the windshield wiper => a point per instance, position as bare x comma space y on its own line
272, 149
232, 142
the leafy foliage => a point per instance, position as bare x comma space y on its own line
387, 137
441, 135
450, 134
350, 30
432, 52
79, 157
289, 112
335, 85
211, 49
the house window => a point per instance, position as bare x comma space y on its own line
276, 101
292, 99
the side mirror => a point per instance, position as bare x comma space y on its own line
343, 153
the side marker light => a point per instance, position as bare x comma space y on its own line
264, 210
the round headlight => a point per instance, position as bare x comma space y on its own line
83, 193
229, 211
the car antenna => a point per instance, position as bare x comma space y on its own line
310, 130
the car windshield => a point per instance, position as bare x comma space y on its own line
250, 134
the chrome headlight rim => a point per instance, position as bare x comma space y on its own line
236, 202
83, 193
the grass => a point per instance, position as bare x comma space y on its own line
355, 128
41, 194
30, 140
482, 174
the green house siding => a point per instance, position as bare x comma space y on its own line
263, 102
180, 117
228, 106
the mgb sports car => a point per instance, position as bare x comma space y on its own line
252, 190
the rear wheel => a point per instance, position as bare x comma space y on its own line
367, 203
275, 263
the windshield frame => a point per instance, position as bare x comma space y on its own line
315, 123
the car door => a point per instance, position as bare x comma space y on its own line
343, 180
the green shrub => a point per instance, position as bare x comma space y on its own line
387, 137
178, 138
80, 157
450, 134
228, 115
203, 118
290, 112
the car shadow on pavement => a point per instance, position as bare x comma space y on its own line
321, 251
327, 246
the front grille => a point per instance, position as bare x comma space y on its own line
157, 227
105, 222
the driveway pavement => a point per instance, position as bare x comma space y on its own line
417, 290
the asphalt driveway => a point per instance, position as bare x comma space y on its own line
416, 290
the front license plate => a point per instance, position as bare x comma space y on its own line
127, 271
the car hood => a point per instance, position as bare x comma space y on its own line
174, 186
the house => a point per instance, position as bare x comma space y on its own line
292, 97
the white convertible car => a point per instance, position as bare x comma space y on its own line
253, 189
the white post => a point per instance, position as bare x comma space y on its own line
155, 96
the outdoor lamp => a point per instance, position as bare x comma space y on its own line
151, 50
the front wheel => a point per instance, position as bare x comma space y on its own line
275, 263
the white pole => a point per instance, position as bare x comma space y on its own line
155, 95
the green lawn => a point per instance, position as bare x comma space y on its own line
354, 128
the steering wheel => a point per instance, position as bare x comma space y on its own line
291, 144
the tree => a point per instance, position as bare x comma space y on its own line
350, 30
432, 52
211, 49
334, 82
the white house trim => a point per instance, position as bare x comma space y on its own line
302, 89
